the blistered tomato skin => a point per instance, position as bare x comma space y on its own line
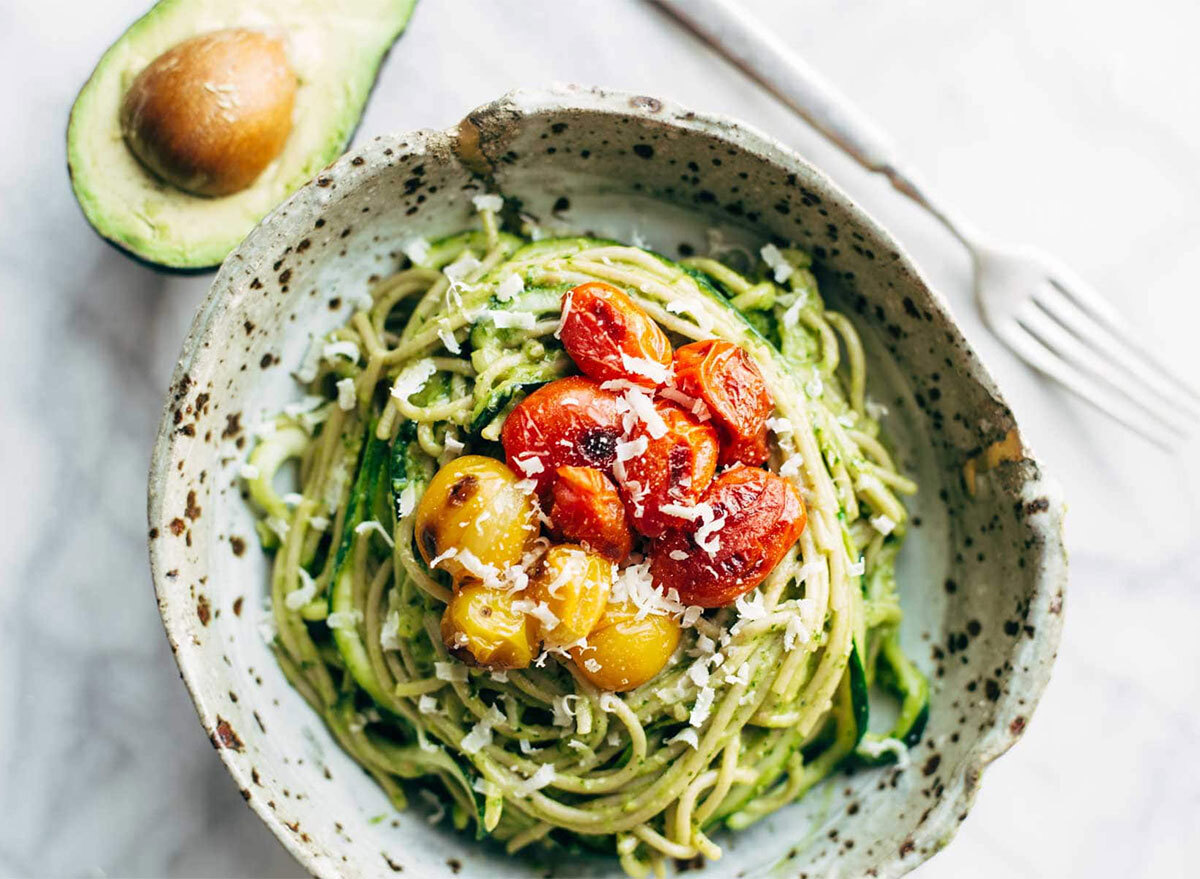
567, 423
588, 510
480, 627
473, 504
623, 652
727, 380
764, 516
574, 584
676, 468
602, 327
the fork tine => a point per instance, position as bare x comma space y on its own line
1042, 358
1110, 346
1070, 349
1084, 297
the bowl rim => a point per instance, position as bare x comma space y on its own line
960, 788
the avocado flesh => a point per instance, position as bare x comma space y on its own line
335, 50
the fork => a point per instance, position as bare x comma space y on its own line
1047, 315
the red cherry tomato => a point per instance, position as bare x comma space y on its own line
567, 423
726, 379
588, 510
764, 516
676, 468
609, 336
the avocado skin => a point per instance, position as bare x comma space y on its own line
193, 240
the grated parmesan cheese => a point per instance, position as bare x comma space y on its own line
344, 619
543, 777
488, 202
347, 349
372, 525
775, 260
643, 407
510, 287
885, 525
795, 633
413, 378
302, 594
703, 706
791, 466
687, 734
627, 451
448, 340
703, 319
461, 267
389, 632
450, 671
427, 704
417, 250
530, 465
408, 500
507, 320
540, 611
647, 368
347, 398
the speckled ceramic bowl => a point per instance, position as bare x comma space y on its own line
982, 574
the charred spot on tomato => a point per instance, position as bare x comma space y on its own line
429, 541
571, 422
679, 473
463, 490
599, 445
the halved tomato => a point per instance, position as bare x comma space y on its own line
756, 516
727, 380
567, 423
609, 336
588, 510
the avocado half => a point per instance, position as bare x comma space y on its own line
335, 49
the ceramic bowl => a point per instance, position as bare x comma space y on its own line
982, 574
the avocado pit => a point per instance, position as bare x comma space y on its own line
211, 113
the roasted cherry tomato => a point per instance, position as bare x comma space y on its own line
726, 379
675, 469
574, 585
481, 627
609, 336
567, 423
763, 516
623, 652
474, 505
587, 509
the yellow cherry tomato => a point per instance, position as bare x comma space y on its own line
623, 652
474, 508
480, 627
574, 584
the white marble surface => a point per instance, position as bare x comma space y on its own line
1067, 125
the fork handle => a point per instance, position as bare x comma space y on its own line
764, 57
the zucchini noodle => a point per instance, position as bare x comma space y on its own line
761, 701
